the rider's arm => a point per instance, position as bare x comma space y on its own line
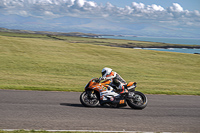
112, 75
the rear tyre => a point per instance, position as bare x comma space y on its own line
139, 101
87, 100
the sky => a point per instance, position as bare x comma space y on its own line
156, 18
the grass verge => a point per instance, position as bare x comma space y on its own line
68, 63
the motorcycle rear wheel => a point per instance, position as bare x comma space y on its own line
139, 101
89, 101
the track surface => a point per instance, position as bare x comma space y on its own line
40, 110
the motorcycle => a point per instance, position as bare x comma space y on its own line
91, 96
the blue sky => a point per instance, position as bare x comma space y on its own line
158, 18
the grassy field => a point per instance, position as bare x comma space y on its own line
99, 41
57, 63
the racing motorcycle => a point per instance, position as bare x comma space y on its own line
91, 96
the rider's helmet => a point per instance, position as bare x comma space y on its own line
106, 71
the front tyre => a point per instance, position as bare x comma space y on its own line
139, 101
89, 100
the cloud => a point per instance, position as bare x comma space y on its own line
174, 16
176, 8
83, 8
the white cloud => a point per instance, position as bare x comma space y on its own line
79, 3
138, 6
156, 7
176, 8
196, 13
174, 15
23, 13
89, 8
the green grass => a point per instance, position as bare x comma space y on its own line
39, 62
96, 41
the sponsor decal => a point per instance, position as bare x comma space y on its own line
121, 102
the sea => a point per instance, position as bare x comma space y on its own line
188, 41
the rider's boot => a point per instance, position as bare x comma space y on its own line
123, 91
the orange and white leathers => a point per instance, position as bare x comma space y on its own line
116, 80
109, 91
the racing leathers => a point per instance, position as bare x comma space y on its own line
115, 80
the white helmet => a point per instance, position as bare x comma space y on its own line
106, 71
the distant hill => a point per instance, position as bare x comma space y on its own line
50, 33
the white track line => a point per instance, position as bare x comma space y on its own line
84, 131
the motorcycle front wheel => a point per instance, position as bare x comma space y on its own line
87, 100
139, 101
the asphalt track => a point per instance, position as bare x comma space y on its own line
42, 110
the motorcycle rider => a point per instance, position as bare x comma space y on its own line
116, 80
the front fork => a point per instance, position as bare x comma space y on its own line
91, 94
